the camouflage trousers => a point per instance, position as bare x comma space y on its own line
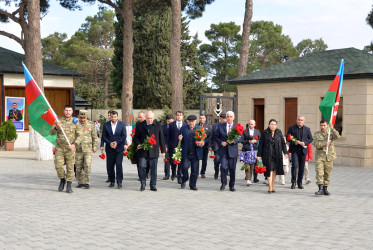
323, 172
83, 167
64, 155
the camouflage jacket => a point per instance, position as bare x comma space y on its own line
73, 132
319, 141
89, 137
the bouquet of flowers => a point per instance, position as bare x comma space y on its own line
131, 151
200, 135
167, 158
259, 168
236, 132
148, 142
176, 157
291, 138
245, 167
102, 155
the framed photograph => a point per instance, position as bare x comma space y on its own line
15, 110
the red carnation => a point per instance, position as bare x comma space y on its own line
125, 153
256, 137
246, 170
212, 156
245, 130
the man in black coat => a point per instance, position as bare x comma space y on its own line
214, 146
207, 128
165, 128
102, 145
173, 140
228, 151
114, 135
298, 150
149, 127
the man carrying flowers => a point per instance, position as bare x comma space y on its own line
228, 135
192, 151
148, 138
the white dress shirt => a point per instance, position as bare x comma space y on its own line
113, 127
251, 132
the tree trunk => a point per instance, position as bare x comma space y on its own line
127, 88
175, 57
106, 83
34, 63
244, 48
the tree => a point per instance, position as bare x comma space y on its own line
369, 48
220, 58
308, 46
268, 46
244, 47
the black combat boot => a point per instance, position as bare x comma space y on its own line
321, 191
62, 184
68, 187
326, 190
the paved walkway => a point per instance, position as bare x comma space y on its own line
34, 215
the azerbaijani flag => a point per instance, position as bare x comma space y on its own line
133, 121
330, 103
40, 113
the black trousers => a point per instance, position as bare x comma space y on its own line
298, 160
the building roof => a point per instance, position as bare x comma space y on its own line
322, 65
10, 62
81, 102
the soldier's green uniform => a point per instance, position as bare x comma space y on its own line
63, 154
324, 163
84, 151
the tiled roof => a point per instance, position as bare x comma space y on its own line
10, 62
320, 65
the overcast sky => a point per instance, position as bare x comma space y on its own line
341, 23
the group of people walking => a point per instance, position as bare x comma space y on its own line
271, 148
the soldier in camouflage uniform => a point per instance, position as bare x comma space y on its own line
88, 144
324, 162
64, 152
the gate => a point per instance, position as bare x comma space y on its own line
213, 106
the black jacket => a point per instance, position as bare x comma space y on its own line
142, 131
265, 150
245, 140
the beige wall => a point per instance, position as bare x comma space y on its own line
355, 148
48, 81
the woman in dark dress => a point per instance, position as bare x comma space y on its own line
271, 147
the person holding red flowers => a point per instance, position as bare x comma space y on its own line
250, 139
207, 129
271, 147
228, 150
192, 152
148, 138
298, 148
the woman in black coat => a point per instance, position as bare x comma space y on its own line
271, 147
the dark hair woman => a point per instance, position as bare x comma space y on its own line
271, 147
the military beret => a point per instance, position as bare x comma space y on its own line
83, 113
223, 116
191, 118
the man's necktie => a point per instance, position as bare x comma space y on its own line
229, 128
178, 125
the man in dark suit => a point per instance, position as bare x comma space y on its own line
192, 152
299, 150
114, 135
214, 146
149, 127
165, 128
15, 114
207, 128
228, 151
173, 140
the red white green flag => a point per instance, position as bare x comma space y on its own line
40, 112
330, 103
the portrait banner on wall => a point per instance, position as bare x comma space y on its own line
14, 111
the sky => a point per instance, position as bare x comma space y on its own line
340, 23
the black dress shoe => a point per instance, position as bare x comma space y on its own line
256, 181
270, 192
107, 181
153, 188
216, 176
179, 180
232, 189
182, 185
172, 177
142, 188
119, 185
80, 186
194, 188
111, 184
222, 187
86, 186
300, 186
292, 186
273, 191
62, 184
166, 177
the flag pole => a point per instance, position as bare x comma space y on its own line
46, 100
